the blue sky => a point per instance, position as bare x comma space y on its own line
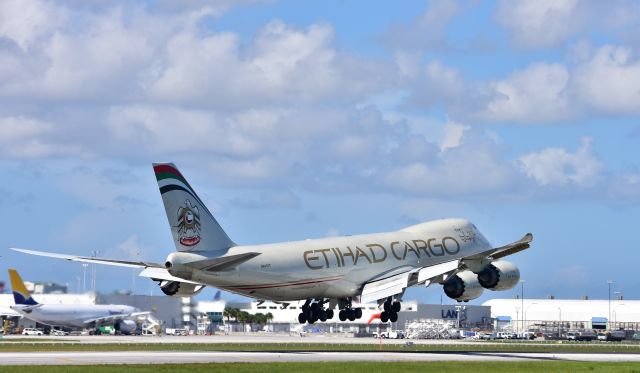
296, 120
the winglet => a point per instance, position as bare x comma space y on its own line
20, 293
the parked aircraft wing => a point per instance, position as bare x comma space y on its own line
107, 319
158, 274
87, 259
113, 318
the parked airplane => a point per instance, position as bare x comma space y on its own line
71, 315
328, 272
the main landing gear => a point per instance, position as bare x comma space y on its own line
391, 309
348, 312
316, 311
312, 312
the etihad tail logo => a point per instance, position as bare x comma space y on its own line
188, 224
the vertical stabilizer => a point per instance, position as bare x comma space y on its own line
21, 295
192, 225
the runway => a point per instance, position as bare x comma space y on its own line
168, 357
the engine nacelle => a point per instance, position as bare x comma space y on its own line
499, 275
180, 289
125, 326
463, 286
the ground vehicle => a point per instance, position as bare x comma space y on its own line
527, 335
505, 335
170, 331
587, 335
583, 335
57, 332
616, 335
31, 331
393, 334
602, 336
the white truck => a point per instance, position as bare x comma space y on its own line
391, 334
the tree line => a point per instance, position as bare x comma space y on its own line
246, 317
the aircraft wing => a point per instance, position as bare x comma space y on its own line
87, 259
509, 249
396, 284
113, 318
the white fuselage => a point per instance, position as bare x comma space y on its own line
71, 315
338, 267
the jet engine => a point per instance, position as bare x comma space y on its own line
463, 286
499, 275
125, 326
180, 289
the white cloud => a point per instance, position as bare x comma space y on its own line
535, 94
427, 31
540, 23
610, 81
25, 22
556, 167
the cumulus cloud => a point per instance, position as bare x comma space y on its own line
548, 23
540, 23
427, 31
29, 138
535, 94
556, 167
609, 81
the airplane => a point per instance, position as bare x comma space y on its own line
327, 273
71, 315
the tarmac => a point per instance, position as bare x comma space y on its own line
182, 357
164, 357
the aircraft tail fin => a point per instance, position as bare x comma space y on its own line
192, 225
21, 295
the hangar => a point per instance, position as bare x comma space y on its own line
526, 314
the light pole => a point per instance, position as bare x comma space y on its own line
527, 310
522, 303
615, 314
84, 277
560, 323
609, 282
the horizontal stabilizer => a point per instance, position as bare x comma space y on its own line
87, 259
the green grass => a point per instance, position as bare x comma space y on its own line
395, 367
475, 347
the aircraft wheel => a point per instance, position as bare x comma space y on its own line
387, 306
342, 315
393, 316
358, 313
301, 318
329, 314
323, 316
351, 314
395, 307
384, 316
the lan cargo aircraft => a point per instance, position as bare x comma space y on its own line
328, 272
71, 315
